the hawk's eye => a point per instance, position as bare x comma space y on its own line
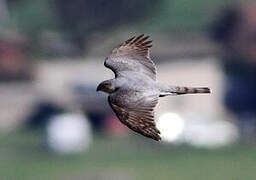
108, 86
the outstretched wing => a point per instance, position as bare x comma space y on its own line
139, 118
132, 55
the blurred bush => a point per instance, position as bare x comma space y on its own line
62, 27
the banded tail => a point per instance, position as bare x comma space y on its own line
178, 90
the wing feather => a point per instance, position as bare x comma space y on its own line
132, 55
140, 118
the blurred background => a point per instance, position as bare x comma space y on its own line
54, 125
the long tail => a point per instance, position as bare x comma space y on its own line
178, 90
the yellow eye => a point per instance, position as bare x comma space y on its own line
108, 86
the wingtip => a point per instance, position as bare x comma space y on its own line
158, 139
143, 36
130, 40
140, 36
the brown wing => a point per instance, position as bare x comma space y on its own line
132, 55
140, 118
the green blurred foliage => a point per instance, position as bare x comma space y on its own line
185, 16
166, 15
76, 27
33, 16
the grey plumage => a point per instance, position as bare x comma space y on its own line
134, 92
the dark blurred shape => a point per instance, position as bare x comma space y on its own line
96, 108
92, 104
224, 27
42, 112
235, 30
81, 18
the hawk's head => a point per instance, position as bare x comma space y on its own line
106, 86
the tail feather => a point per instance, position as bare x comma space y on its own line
192, 90
178, 90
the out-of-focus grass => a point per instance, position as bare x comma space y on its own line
24, 156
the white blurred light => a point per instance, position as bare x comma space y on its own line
209, 133
69, 133
171, 126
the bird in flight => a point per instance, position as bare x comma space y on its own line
134, 92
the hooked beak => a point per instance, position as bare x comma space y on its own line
99, 87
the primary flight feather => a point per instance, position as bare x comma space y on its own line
134, 92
